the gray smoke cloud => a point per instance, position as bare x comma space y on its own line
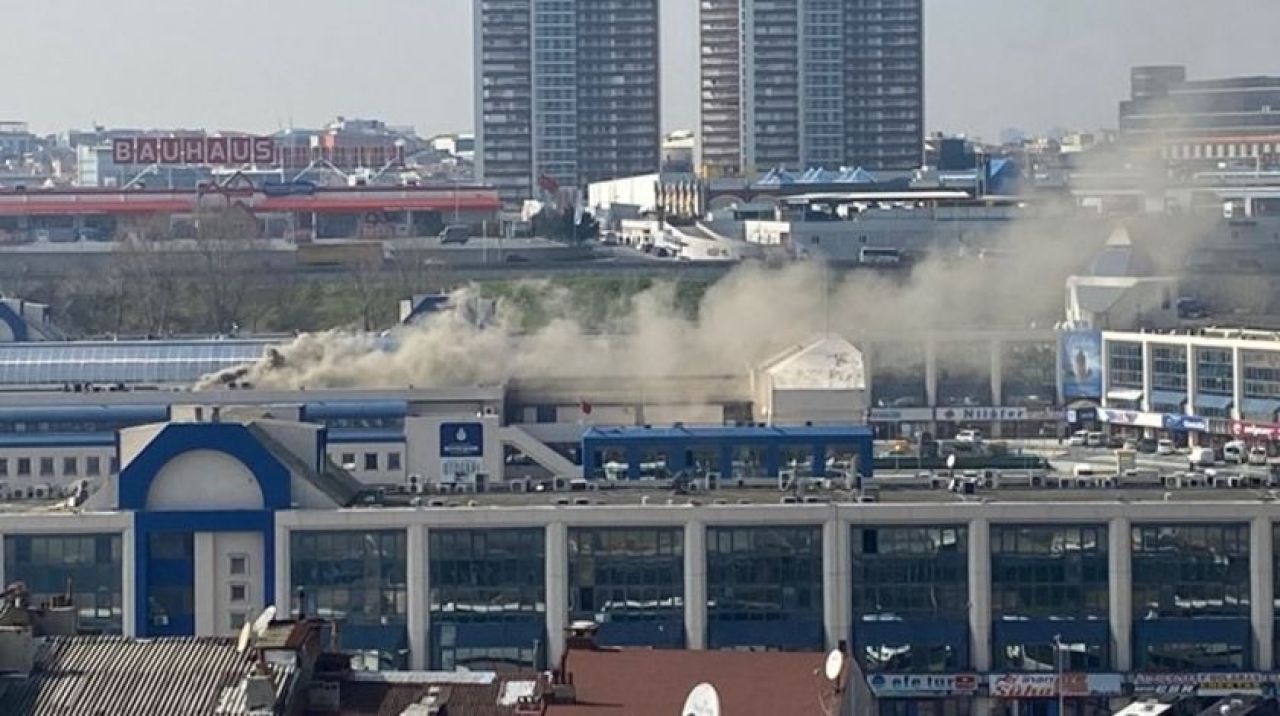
749, 315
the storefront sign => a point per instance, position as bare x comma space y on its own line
1207, 684
193, 150
1255, 431
1044, 686
900, 415
1131, 417
923, 685
987, 414
1184, 423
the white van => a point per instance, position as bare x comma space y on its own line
1079, 438
1258, 455
1235, 451
1165, 447
1201, 457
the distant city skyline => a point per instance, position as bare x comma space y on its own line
990, 64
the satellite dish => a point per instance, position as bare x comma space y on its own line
834, 665
263, 621
246, 633
703, 700
951, 461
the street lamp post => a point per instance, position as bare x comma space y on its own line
1057, 651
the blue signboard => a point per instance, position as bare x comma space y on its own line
461, 440
1081, 360
1185, 423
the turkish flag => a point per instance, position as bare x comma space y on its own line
585, 407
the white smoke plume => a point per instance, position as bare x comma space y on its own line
749, 315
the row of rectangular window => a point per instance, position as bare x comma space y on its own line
46, 466
371, 461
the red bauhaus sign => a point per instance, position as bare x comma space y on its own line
194, 150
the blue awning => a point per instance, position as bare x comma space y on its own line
1168, 397
1260, 408
1213, 402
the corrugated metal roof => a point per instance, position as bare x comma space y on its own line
118, 676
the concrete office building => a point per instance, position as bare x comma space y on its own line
791, 84
207, 522
567, 90
1217, 123
1203, 388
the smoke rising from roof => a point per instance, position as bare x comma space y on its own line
749, 315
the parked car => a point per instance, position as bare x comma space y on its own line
1235, 452
1115, 442
1258, 455
1095, 439
1201, 457
1079, 438
1147, 446
1165, 447
969, 436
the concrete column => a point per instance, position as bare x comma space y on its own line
1120, 591
417, 576
836, 598
206, 584
557, 589
1261, 592
128, 577
1237, 383
695, 584
997, 367
980, 594
1193, 438
931, 371
286, 601
1148, 369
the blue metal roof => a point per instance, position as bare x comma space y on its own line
154, 362
138, 414
366, 435
96, 439
355, 409
815, 432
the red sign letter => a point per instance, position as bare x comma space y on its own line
122, 151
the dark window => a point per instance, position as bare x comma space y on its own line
371, 461
1190, 570
764, 587
89, 565
1055, 572
624, 577
486, 582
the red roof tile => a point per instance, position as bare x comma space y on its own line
641, 682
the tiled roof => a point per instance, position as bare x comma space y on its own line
118, 676
367, 695
657, 681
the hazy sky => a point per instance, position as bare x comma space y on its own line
263, 64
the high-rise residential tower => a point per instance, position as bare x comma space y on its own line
802, 83
567, 92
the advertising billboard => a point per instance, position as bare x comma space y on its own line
193, 150
1080, 359
461, 448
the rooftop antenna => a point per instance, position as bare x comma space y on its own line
703, 700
